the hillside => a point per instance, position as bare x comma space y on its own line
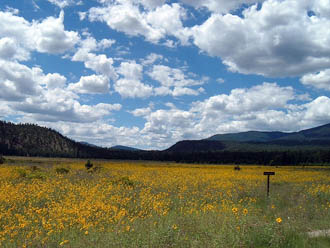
317, 138
310, 146
31, 140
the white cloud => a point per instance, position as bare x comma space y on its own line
93, 84
151, 59
54, 80
318, 111
18, 81
132, 88
170, 77
48, 35
131, 70
220, 80
167, 19
130, 85
153, 24
51, 37
141, 111
62, 105
219, 6
320, 80
98, 133
173, 81
64, 3
9, 50
12, 10
99, 63
279, 39
260, 97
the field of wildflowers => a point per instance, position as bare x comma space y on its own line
59, 203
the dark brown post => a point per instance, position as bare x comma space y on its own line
268, 174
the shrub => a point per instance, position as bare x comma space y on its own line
88, 165
62, 170
2, 159
21, 172
35, 168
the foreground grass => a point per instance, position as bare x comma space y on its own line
58, 203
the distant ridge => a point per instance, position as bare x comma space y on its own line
310, 146
125, 148
33, 140
313, 138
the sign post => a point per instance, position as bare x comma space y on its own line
268, 174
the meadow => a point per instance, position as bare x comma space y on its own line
48, 202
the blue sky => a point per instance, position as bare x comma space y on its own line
150, 73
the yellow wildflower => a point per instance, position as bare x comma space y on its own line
64, 242
278, 220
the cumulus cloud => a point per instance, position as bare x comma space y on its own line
18, 81
153, 24
320, 80
54, 80
130, 84
279, 39
173, 81
62, 105
47, 36
219, 6
151, 59
93, 84
64, 3
169, 77
51, 37
9, 50
132, 88
98, 132
41, 97
99, 63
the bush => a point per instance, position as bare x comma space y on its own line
21, 172
35, 168
88, 165
62, 170
2, 159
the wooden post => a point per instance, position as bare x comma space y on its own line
268, 174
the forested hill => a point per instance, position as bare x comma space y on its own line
310, 146
32, 140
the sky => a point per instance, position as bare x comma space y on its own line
149, 73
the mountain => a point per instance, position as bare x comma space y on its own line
248, 136
33, 140
196, 146
309, 139
311, 146
30, 139
124, 148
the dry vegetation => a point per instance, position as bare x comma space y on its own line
59, 203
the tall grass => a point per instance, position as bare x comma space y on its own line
141, 204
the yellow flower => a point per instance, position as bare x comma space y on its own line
175, 227
235, 210
64, 242
86, 233
245, 211
278, 220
